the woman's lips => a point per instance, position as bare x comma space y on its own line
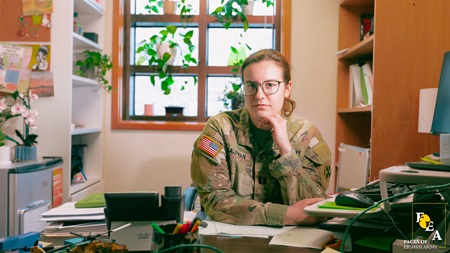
260, 105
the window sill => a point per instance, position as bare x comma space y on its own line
156, 125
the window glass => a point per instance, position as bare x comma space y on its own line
259, 8
143, 34
139, 7
145, 93
217, 87
219, 53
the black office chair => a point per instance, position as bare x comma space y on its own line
190, 197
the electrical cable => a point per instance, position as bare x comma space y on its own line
190, 246
347, 230
393, 223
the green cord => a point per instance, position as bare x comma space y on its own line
347, 230
191, 246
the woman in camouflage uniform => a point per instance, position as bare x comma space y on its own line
261, 164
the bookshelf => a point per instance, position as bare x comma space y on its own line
87, 102
406, 56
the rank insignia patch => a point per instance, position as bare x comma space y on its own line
210, 146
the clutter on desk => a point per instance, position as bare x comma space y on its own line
20, 243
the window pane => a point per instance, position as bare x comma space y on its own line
138, 7
259, 8
217, 86
143, 34
146, 93
219, 48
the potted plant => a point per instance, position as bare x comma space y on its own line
21, 106
5, 151
95, 65
161, 50
233, 99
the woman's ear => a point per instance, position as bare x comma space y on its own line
287, 89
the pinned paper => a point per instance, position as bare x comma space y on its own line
37, 20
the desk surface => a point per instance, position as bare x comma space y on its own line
249, 245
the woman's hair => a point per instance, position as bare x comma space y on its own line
278, 59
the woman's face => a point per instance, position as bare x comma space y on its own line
261, 105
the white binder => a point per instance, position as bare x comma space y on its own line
353, 167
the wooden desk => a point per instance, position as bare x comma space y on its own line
249, 245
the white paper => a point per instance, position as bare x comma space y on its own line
224, 229
307, 237
68, 209
71, 218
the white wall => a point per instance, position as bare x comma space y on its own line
150, 160
314, 43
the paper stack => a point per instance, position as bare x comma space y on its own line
66, 219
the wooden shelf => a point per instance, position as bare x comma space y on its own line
362, 49
356, 2
389, 126
356, 110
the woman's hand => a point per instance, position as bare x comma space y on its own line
278, 126
296, 216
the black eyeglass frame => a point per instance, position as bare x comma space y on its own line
262, 87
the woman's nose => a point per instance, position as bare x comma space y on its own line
259, 92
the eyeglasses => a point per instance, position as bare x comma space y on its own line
269, 87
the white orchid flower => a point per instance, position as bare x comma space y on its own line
32, 96
17, 109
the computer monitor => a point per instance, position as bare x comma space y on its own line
441, 117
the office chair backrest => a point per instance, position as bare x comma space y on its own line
190, 196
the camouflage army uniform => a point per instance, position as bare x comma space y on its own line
236, 185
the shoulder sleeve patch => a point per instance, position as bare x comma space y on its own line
209, 146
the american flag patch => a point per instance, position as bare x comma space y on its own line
210, 146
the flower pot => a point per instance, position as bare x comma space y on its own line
89, 72
25, 153
248, 9
163, 48
148, 110
5, 156
169, 7
174, 111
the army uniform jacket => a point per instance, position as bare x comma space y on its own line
239, 185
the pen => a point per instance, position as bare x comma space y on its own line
192, 224
195, 227
185, 228
157, 228
177, 228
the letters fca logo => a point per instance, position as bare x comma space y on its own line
426, 223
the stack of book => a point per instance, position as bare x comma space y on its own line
65, 221
360, 85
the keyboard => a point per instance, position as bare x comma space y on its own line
372, 190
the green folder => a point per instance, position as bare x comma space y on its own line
333, 205
93, 200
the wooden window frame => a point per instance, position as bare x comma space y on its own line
120, 71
